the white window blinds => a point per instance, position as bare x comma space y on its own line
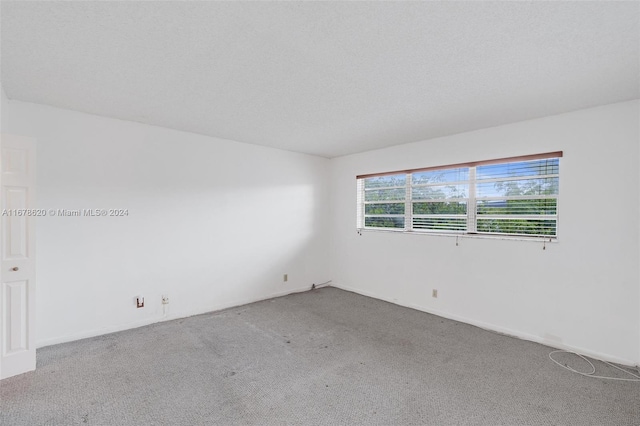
510, 196
382, 203
439, 199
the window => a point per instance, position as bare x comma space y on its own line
510, 196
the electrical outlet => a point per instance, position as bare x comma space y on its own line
140, 302
285, 278
434, 293
165, 299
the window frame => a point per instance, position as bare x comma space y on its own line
471, 200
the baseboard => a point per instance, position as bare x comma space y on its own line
240, 302
498, 329
172, 316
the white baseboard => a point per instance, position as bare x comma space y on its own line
171, 316
498, 329
240, 302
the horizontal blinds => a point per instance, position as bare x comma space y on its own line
359, 208
439, 199
519, 198
510, 196
384, 201
556, 154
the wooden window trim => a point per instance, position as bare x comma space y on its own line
556, 154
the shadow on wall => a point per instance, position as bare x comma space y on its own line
208, 248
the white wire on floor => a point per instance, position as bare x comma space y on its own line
593, 368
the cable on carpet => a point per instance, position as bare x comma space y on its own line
636, 378
314, 286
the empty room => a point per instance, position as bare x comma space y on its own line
320, 213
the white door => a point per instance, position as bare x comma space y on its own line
18, 266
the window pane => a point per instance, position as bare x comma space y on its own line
384, 208
440, 224
437, 176
440, 185
510, 188
385, 181
526, 188
517, 226
439, 192
384, 222
384, 194
439, 208
518, 198
529, 207
547, 166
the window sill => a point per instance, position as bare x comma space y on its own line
463, 235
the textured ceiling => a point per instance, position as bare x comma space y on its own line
318, 77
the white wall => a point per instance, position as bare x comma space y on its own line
4, 110
582, 292
212, 223
215, 223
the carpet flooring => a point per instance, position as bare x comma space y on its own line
324, 357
